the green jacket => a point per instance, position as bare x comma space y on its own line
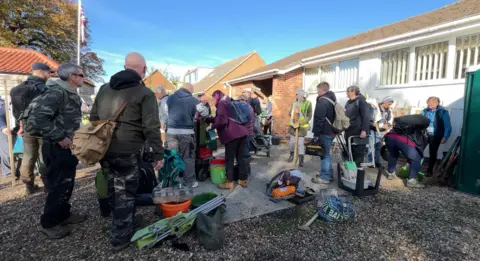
56, 113
139, 122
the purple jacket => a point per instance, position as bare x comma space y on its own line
228, 130
250, 124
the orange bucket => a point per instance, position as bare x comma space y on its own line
171, 209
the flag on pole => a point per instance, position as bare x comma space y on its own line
83, 22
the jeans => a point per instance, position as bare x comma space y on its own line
5, 154
248, 140
59, 179
413, 156
377, 147
326, 169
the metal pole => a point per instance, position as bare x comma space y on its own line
78, 30
10, 141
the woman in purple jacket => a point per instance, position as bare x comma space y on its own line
233, 136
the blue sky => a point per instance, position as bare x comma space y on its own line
179, 35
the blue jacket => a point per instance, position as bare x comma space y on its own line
181, 110
440, 121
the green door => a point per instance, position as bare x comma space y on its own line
468, 171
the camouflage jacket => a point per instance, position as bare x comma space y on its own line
56, 113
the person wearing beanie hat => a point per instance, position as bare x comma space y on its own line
300, 115
382, 116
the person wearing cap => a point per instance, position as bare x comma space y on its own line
382, 115
21, 97
302, 108
257, 108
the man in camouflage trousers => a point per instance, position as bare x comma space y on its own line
139, 122
55, 115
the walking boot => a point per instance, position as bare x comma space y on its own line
290, 159
243, 183
74, 219
300, 160
30, 189
227, 185
56, 232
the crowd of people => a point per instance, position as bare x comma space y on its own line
48, 112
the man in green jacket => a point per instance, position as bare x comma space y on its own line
138, 123
55, 115
300, 115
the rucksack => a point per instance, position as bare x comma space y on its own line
22, 95
241, 112
29, 124
91, 142
255, 103
341, 121
409, 124
173, 167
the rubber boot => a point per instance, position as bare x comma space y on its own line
300, 160
290, 159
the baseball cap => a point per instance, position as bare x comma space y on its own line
41, 66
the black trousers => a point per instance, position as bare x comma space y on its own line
433, 145
59, 179
236, 150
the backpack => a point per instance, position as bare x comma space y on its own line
22, 95
173, 167
255, 103
241, 112
409, 124
29, 124
341, 121
91, 142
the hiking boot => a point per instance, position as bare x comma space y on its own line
227, 185
119, 247
318, 180
243, 183
300, 160
31, 189
74, 219
56, 232
414, 183
290, 159
390, 175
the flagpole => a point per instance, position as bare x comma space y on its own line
79, 30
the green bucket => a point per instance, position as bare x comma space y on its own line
202, 198
218, 174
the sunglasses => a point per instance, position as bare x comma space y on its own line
79, 75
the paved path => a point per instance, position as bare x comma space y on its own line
243, 203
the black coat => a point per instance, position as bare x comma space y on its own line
358, 111
324, 110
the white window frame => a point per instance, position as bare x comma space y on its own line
403, 68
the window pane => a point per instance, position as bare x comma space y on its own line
431, 61
348, 73
467, 54
328, 74
311, 79
394, 68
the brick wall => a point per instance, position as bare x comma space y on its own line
284, 87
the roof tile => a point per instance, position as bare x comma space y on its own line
16, 60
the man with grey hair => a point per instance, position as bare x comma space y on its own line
162, 97
55, 115
182, 108
137, 124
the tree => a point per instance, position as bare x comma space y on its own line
50, 27
175, 80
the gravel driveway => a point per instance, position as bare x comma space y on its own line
397, 224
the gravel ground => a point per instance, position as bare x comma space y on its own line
397, 224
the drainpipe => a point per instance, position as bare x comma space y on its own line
230, 89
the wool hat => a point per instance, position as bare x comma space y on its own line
388, 99
41, 66
300, 92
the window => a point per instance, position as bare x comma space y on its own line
431, 61
394, 68
467, 48
328, 73
311, 79
348, 74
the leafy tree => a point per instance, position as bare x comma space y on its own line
50, 27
